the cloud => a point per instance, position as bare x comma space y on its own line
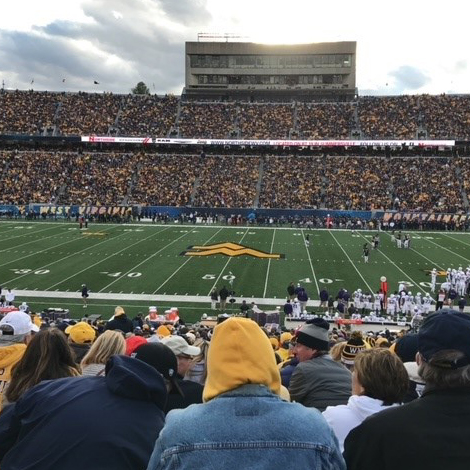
460, 66
145, 42
409, 78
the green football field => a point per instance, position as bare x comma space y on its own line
138, 265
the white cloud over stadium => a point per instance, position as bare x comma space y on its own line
402, 47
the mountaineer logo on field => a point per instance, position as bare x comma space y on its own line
228, 249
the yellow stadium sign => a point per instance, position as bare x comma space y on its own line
229, 249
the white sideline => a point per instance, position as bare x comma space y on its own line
148, 297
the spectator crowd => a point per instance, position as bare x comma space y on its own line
423, 184
369, 117
199, 396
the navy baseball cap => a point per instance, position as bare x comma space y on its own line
444, 330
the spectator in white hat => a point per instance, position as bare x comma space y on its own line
16, 328
183, 352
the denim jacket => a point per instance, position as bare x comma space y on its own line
246, 428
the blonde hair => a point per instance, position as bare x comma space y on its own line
108, 344
203, 345
336, 350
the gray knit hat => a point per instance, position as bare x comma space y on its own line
314, 334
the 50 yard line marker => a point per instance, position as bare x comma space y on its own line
189, 259
226, 264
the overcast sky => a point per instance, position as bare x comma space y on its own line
410, 47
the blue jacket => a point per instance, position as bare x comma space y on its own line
287, 370
288, 308
302, 296
249, 427
324, 295
86, 422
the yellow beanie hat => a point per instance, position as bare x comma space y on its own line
163, 331
240, 353
274, 343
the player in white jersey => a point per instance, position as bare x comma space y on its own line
449, 275
357, 299
418, 300
446, 286
377, 303
433, 280
406, 242
408, 305
453, 278
460, 282
427, 303
296, 311
392, 305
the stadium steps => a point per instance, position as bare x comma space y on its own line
178, 115
458, 176
61, 191
258, 184
295, 122
133, 182
197, 182
356, 132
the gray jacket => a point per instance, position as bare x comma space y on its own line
320, 382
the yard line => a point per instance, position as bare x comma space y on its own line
269, 265
104, 259
226, 264
146, 259
27, 233
126, 297
40, 251
311, 264
455, 239
27, 243
426, 258
390, 261
350, 260
189, 259
447, 249
62, 259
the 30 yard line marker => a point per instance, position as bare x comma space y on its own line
53, 262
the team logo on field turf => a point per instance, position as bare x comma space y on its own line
228, 249
438, 273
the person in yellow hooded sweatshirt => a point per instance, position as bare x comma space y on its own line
15, 328
236, 427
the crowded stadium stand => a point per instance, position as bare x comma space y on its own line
399, 153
